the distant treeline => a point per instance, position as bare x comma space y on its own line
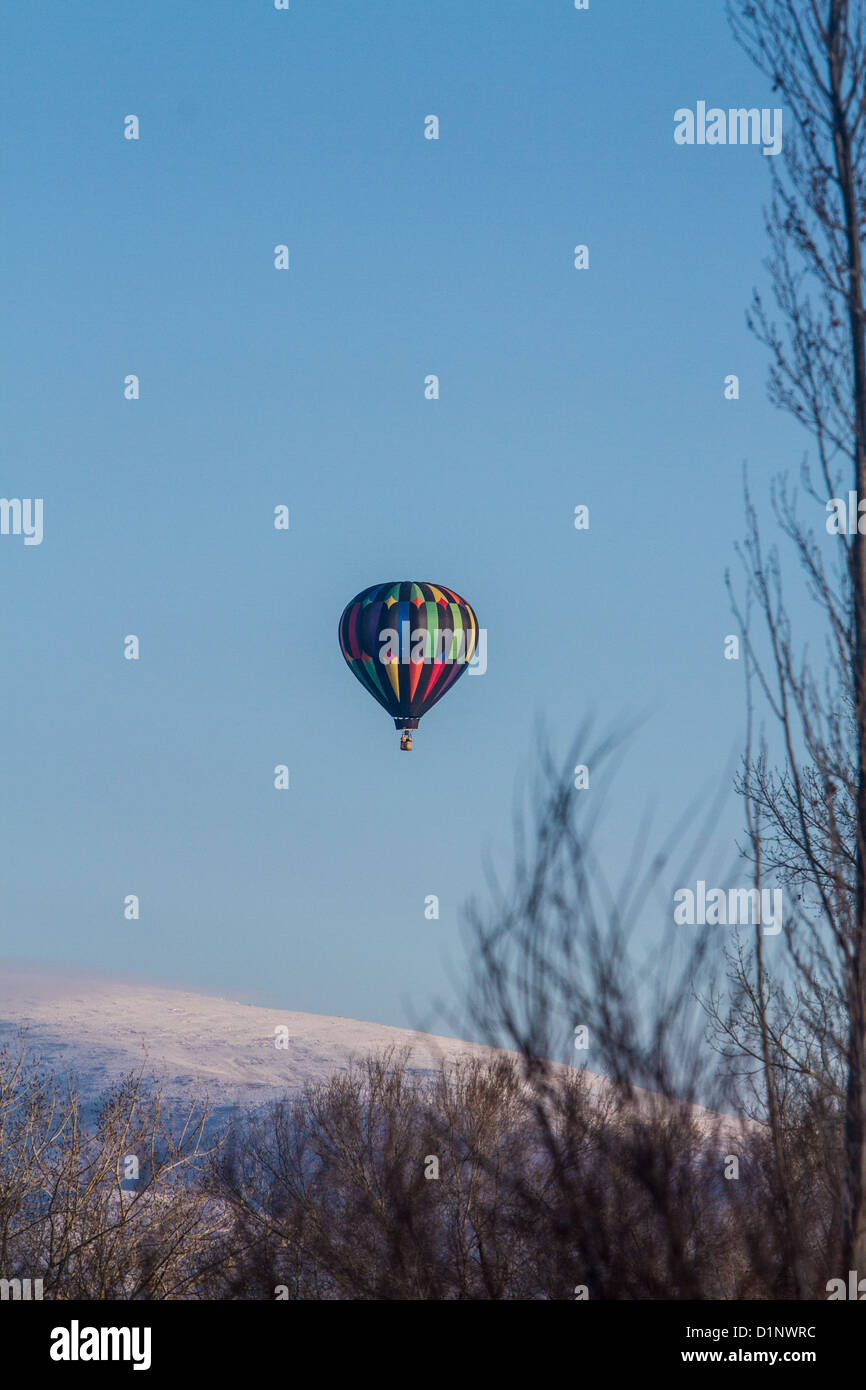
484, 1180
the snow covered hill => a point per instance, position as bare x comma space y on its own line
99, 1029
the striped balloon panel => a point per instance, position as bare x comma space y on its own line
408, 643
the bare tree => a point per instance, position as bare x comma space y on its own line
102, 1202
387, 1182
806, 811
642, 1198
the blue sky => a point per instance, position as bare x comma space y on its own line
305, 387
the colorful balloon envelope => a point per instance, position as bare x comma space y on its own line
408, 643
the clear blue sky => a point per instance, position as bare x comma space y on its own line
305, 387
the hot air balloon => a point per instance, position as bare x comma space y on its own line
408, 644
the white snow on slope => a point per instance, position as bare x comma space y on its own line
98, 1030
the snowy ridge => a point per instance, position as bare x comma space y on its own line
98, 1030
